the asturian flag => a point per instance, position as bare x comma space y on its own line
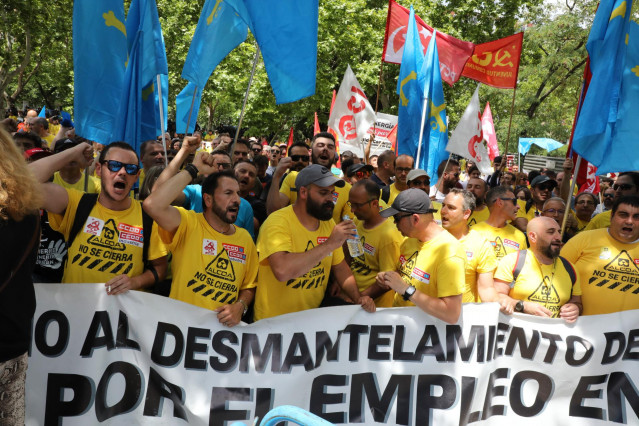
352, 114
467, 139
488, 129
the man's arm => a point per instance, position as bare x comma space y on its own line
346, 280
275, 199
487, 289
55, 198
287, 266
123, 283
571, 310
158, 204
190, 144
230, 315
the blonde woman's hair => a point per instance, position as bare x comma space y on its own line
19, 193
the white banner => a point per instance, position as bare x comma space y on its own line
143, 359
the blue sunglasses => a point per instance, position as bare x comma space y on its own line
115, 167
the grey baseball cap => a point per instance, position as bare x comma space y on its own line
415, 173
542, 179
318, 175
412, 200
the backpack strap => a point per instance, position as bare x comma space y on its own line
386, 194
519, 265
81, 215
147, 227
570, 269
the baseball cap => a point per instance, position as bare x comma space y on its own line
415, 173
34, 154
542, 179
318, 175
64, 144
412, 200
357, 167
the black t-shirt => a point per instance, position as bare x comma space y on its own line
52, 254
17, 300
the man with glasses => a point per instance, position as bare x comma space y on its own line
430, 270
541, 189
585, 205
448, 172
380, 239
115, 244
418, 178
627, 183
504, 237
256, 149
357, 172
403, 165
273, 155
191, 196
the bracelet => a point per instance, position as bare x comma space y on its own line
243, 304
193, 171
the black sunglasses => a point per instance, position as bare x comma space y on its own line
398, 217
115, 167
300, 158
514, 200
623, 186
545, 187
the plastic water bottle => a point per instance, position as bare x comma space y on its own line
354, 244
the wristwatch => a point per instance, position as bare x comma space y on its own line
408, 293
519, 307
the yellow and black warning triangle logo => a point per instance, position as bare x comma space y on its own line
545, 293
498, 245
221, 267
472, 222
409, 264
109, 239
622, 264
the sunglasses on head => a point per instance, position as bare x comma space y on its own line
115, 167
300, 158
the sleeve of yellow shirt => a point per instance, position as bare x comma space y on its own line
250, 277
275, 236
338, 256
173, 240
572, 249
487, 259
288, 183
63, 223
389, 254
505, 268
157, 249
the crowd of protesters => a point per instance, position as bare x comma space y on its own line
252, 230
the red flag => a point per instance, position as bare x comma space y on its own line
316, 129
488, 129
290, 139
496, 63
392, 137
453, 53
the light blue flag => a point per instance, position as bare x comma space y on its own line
219, 30
99, 58
608, 100
183, 107
435, 137
545, 143
410, 91
43, 112
286, 32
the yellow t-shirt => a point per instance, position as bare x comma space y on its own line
394, 192
381, 251
581, 224
504, 240
435, 267
49, 139
283, 232
436, 205
602, 220
209, 268
340, 196
109, 244
609, 271
478, 216
94, 185
548, 285
480, 258
530, 215
141, 177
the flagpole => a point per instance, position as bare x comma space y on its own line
188, 121
248, 87
569, 195
510, 123
160, 106
421, 131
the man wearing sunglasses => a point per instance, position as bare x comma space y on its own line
430, 268
503, 207
191, 196
627, 183
448, 171
357, 172
109, 246
300, 246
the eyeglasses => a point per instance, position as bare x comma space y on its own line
303, 158
514, 200
397, 217
623, 186
257, 150
554, 211
609, 195
545, 187
224, 166
240, 153
424, 182
585, 203
115, 167
360, 205
402, 169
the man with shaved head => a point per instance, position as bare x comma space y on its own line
539, 281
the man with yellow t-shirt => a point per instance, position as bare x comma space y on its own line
300, 245
109, 245
480, 256
542, 283
71, 175
478, 187
504, 237
403, 165
608, 260
627, 183
214, 262
418, 178
430, 270
380, 239
322, 153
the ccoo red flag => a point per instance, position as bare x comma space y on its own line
291, 140
316, 128
496, 63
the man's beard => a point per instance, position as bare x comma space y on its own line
224, 215
550, 252
316, 160
321, 211
297, 166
